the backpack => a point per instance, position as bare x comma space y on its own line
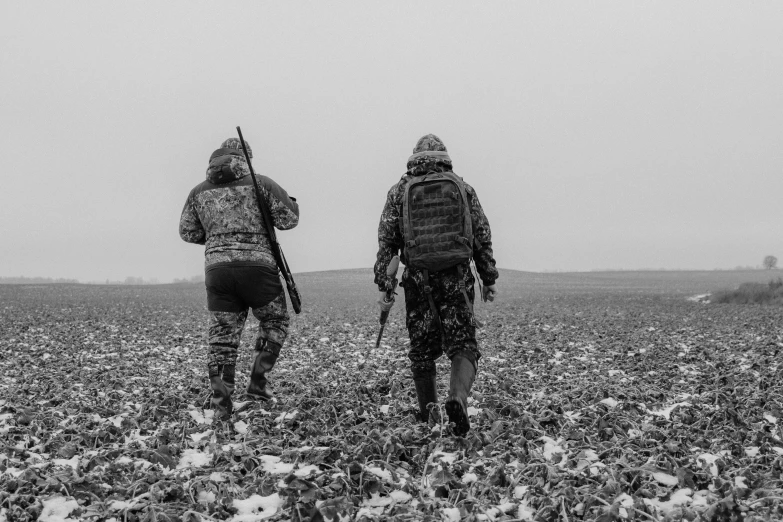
437, 229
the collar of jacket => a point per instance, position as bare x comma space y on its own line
434, 154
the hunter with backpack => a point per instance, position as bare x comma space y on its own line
435, 221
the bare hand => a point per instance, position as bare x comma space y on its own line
383, 303
489, 292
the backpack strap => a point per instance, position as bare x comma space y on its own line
428, 293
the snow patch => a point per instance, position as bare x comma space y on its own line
206, 497
667, 412
286, 416
469, 478
525, 512
709, 461
666, 479
551, 447
400, 496
257, 507
381, 473
304, 471
194, 458
609, 402
198, 436
681, 497
447, 458
56, 509
72, 462
273, 465
202, 418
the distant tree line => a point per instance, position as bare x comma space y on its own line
21, 280
131, 280
199, 278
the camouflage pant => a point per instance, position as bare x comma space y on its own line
458, 333
225, 331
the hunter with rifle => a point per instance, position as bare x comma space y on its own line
435, 221
234, 213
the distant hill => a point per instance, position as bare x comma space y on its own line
359, 281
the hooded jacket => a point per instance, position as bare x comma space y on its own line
222, 213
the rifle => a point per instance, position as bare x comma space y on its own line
277, 252
391, 271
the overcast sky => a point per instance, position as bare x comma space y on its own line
597, 135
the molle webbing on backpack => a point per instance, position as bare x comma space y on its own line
436, 222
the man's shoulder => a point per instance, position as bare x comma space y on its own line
271, 186
397, 188
201, 187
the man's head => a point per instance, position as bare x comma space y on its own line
234, 143
429, 154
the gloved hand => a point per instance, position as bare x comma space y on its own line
488, 292
385, 306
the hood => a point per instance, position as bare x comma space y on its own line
429, 154
226, 165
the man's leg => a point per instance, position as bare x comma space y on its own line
463, 373
425, 348
225, 331
461, 347
273, 320
425, 380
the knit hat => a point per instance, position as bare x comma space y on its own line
429, 148
234, 143
430, 142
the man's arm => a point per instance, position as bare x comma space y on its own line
389, 240
284, 208
190, 227
482, 240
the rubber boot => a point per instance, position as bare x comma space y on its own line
463, 372
259, 388
221, 392
229, 376
426, 392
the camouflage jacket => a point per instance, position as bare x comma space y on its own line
390, 240
222, 212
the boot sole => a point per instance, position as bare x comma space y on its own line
458, 416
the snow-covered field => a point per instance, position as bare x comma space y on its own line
603, 396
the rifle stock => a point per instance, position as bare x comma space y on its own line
277, 251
